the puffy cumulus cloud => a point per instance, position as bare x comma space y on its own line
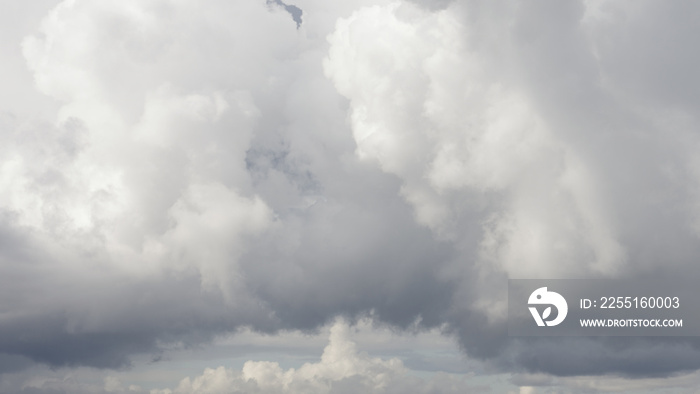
157, 122
214, 165
429, 107
19, 20
195, 181
209, 217
342, 369
519, 137
123, 221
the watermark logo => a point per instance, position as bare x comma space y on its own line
543, 297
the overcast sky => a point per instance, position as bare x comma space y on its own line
318, 196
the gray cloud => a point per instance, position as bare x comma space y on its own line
341, 369
515, 108
397, 161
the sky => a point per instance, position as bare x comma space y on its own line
313, 196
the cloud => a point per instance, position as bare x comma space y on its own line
70, 384
341, 369
216, 167
433, 111
513, 140
186, 190
138, 197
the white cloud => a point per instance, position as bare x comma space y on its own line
207, 169
433, 104
211, 230
162, 119
341, 369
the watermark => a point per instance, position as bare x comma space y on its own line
543, 297
603, 307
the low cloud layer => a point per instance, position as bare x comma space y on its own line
214, 167
342, 369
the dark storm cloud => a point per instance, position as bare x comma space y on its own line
78, 318
352, 258
403, 168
